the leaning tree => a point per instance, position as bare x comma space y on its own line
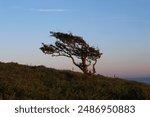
74, 47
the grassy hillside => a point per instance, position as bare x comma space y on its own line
38, 82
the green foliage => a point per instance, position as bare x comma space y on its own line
38, 82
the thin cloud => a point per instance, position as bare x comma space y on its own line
50, 10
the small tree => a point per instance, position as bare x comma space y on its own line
73, 47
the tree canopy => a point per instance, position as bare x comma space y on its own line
74, 47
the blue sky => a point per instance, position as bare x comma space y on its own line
120, 28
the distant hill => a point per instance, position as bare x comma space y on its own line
38, 82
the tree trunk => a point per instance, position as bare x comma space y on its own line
84, 66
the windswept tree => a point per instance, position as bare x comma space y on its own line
74, 47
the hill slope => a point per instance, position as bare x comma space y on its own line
38, 82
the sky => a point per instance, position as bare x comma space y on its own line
120, 28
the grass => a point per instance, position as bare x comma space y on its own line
22, 82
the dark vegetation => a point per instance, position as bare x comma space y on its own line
38, 82
73, 47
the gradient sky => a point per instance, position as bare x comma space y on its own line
120, 28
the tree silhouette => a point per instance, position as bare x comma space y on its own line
73, 47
